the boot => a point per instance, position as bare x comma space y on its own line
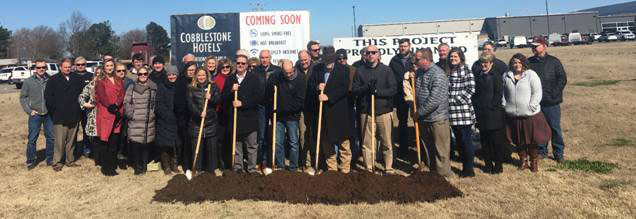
165, 163
488, 168
534, 155
498, 168
173, 165
523, 156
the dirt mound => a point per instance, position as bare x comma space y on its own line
328, 188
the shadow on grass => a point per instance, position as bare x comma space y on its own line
614, 184
588, 166
620, 142
596, 83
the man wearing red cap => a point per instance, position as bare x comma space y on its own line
553, 81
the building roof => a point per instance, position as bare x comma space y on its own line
615, 9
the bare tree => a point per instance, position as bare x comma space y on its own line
73, 31
39, 42
126, 41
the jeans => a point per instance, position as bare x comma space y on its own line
35, 122
553, 116
464, 141
263, 122
292, 139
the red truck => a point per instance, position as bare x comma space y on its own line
142, 48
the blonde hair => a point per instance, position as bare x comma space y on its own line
194, 77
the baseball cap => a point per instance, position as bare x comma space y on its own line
539, 40
341, 53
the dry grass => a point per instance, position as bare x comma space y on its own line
592, 117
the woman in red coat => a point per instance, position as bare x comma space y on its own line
109, 96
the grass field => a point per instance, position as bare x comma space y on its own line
597, 120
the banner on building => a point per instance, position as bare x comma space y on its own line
389, 46
284, 33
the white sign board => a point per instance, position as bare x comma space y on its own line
284, 33
389, 46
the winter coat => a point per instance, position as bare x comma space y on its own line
84, 77
264, 75
461, 88
336, 109
487, 100
180, 103
196, 99
60, 96
139, 105
106, 94
431, 93
158, 76
88, 96
250, 94
311, 104
385, 86
32, 95
553, 78
398, 68
522, 98
166, 126
291, 95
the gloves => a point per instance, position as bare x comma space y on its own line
112, 108
372, 87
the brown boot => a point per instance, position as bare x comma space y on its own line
534, 155
523, 157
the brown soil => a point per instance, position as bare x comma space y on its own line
329, 188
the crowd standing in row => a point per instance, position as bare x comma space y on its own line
131, 117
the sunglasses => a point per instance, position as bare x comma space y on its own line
241, 63
315, 50
121, 71
372, 52
40, 67
342, 58
80, 64
143, 74
226, 67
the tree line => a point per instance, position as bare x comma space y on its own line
78, 36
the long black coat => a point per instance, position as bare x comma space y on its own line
166, 115
61, 96
180, 103
196, 101
250, 94
487, 100
335, 117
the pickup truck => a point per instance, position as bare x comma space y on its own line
519, 42
5, 75
626, 35
19, 74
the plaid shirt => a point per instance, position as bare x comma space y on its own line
461, 88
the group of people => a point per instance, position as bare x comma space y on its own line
320, 114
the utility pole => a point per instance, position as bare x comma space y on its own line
354, 22
547, 16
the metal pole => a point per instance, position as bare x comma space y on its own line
547, 15
354, 22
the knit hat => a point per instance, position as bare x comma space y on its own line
158, 59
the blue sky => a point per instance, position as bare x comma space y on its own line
329, 18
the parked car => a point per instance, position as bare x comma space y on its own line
19, 74
18, 79
576, 38
626, 35
557, 39
502, 43
5, 75
92, 65
519, 42
607, 37
595, 36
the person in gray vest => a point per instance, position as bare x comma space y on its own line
33, 104
139, 106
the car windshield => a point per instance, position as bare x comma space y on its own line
6, 70
91, 64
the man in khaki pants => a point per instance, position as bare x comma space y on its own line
431, 95
376, 79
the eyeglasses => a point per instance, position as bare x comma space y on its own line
372, 52
315, 50
40, 67
80, 64
121, 71
226, 67
143, 74
241, 63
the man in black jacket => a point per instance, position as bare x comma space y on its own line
158, 73
553, 81
291, 87
84, 78
263, 71
250, 93
377, 79
309, 115
60, 94
400, 63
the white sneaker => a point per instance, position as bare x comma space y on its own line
267, 171
188, 174
218, 172
310, 171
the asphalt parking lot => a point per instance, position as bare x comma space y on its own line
7, 88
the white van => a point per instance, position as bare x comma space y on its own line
520, 42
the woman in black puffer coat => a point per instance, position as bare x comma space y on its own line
167, 138
183, 114
197, 94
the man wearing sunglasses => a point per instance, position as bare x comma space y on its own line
33, 104
84, 78
314, 50
376, 79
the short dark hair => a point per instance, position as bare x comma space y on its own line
137, 56
427, 53
491, 44
404, 40
522, 58
63, 60
443, 44
40, 60
311, 43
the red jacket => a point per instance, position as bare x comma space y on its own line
107, 93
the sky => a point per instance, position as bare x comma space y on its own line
329, 18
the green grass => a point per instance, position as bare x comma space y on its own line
613, 184
588, 166
596, 83
620, 142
